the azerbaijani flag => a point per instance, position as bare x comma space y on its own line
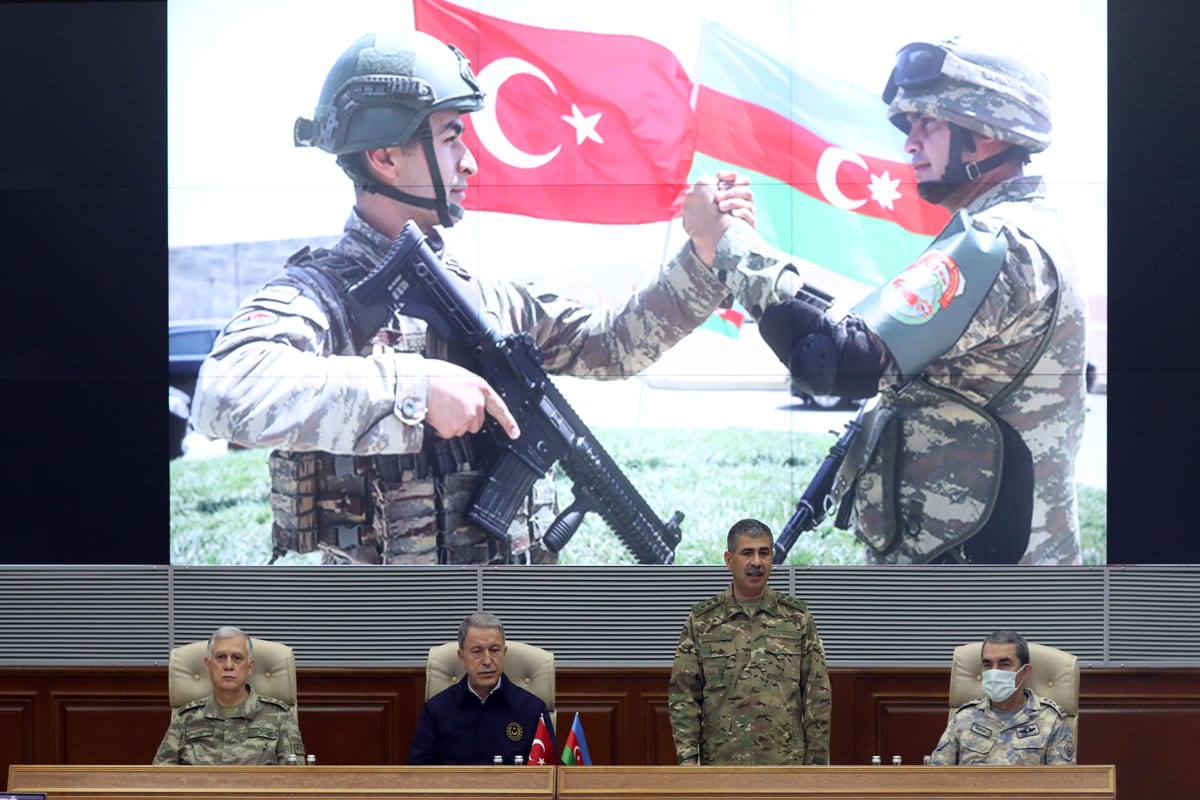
727, 321
831, 181
575, 751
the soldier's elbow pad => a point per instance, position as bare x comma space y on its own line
815, 363
784, 327
845, 362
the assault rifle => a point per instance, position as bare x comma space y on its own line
816, 501
412, 279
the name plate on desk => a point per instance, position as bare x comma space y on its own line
876, 783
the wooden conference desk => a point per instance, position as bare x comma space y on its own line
1086, 782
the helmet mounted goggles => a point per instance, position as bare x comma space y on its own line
920, 65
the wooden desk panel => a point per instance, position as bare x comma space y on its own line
309, 783
837, 783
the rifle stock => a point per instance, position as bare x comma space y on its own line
816, 500
413, 280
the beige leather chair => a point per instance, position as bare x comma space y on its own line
529, 667
274, 672
1055, 675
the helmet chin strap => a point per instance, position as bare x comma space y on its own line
448, 213
957, 172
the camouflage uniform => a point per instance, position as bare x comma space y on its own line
277, 378
262, 730
750, 688
1046, 409
1038, 733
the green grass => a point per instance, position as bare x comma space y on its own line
220, 507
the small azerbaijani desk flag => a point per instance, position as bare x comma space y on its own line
544, 750
576, 750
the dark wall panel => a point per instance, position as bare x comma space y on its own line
111, 715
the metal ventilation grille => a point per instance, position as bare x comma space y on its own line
1154, 616
589, 616
915, 616
384, 616
82, 615
602, 616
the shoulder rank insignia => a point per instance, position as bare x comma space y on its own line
708, 605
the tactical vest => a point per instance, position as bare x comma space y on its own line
916, 495
391, 509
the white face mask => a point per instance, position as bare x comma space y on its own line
999, 684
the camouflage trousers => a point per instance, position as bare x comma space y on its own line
397, 510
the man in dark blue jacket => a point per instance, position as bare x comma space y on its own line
485, 715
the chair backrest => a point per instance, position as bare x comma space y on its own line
1055, 675
529, 667
274, 672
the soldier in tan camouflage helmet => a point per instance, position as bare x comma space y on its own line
1011, 725
235, 724
975, 351
376, 457
749, 684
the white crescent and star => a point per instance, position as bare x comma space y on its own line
883, 187
536, 742
487, 127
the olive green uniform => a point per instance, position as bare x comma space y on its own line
750, 687
262, 730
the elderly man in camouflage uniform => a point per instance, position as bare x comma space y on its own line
976, 350
749, 684
1011, 725
235, 724
377, 459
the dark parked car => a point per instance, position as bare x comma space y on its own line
190, 341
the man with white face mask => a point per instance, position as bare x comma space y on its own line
1011, 725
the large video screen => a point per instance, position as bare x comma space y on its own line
595, 118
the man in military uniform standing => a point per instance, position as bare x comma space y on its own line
749, 683
484, 716
1011, 725
377, 459
976, 350
235, 724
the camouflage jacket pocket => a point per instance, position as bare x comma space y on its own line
718, 655
785, 643
975, 747
928, 481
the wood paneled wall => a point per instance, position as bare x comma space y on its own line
1133, 718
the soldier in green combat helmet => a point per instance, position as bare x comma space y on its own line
974, 353
376, 438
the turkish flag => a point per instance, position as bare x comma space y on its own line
544, 750
577, 126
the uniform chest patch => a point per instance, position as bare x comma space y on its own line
928, 285
514, 732
981, 730
1025, 731
251, 319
